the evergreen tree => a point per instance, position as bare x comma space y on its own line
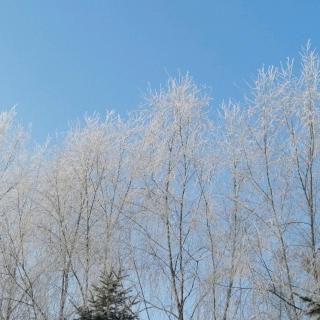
109, 300
313, 307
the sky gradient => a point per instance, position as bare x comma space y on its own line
63, 59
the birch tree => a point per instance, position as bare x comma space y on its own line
168, 205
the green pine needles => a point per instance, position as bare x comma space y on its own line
109, 300
313, 307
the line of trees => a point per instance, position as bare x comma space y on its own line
211, 214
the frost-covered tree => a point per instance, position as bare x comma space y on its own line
213, 213
168, 202
84, 190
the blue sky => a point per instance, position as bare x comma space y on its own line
61, 59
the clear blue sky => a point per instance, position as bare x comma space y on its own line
60, 59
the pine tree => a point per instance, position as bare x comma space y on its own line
109, 300
313, 307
